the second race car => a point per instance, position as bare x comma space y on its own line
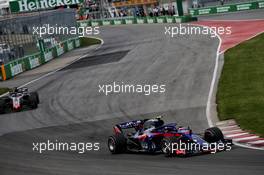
19, 99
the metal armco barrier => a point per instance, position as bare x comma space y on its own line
227, 8
32, 61
143, 20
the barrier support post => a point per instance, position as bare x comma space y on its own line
3, 72
179, 7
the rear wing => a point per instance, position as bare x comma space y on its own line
137, 124
127, 125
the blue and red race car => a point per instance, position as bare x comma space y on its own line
153, 136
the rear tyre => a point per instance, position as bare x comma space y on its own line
33, 100
117, 144
213, 134
36, 96
2, 106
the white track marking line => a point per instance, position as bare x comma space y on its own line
208, 110
245, 138
208, 106
234, 135
248, 146
56, 70
256, 142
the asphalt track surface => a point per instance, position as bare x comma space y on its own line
72, 109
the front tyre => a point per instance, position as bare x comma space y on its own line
213, 134
117, 144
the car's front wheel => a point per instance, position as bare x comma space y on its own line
213, 134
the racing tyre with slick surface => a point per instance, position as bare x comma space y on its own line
213, 134
35, 95
2, 106
117, 144
33, 101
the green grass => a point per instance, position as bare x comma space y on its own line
3, 90
240, 93
89, 41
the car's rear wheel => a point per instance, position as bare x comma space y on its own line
33, 100
213, 134
36, 96
117, 144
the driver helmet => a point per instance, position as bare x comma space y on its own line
153, 123
15, 89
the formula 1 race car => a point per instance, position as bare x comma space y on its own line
153, 136
18, 99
